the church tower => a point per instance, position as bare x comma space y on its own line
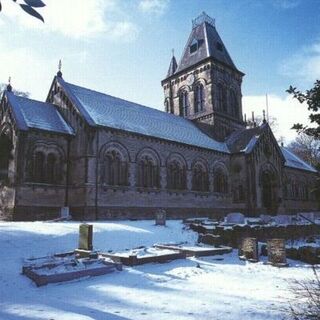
205, 86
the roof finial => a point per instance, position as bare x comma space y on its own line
59, 73
9, 87
203, 17
264, 116
172, 50
253, 120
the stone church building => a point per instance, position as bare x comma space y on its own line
104, 157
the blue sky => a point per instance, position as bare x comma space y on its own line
123, 47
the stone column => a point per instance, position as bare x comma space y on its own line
163, 177
132, 173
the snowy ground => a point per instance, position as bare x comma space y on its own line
219, 289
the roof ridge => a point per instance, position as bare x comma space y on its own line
124, 100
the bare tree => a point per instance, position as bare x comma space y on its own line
273, 122
3, 87
306, 305
307, 148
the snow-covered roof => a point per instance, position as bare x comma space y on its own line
34, 114
100, 109
294, 161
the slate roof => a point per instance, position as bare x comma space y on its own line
34, 114
244, 140
294, 161
100, 109
209, 45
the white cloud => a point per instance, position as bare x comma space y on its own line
286, 4
74, 18
153, 6
304, 65
286, 110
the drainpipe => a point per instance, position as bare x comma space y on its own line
66, 199
97, 172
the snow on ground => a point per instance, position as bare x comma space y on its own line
219, 289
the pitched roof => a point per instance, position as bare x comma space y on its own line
294, 161
244, 140
34, 114
100, 109
209, 44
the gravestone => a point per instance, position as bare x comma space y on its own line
85, 236
249, 249
64, 212
282, 219
277, 252
235, 217
309, 216
161, 217
265, 218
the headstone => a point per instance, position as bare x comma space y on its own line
282, 219
265, 218
64, 212
277, 252
85, 236
249, 249
235, 218
306, 216
161, 217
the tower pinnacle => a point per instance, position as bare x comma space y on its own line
9, 87
59, 73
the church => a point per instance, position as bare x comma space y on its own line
102, 157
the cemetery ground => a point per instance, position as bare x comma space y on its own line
213, 287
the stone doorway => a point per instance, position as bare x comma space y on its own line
269, 191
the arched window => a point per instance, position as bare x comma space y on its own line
199, 178
220, 181
176, 176
199, 98
234, 108
39, 167
148, 173
115, 170
51, 168
222, 98
183, 104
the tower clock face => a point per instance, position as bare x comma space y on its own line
190, 79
